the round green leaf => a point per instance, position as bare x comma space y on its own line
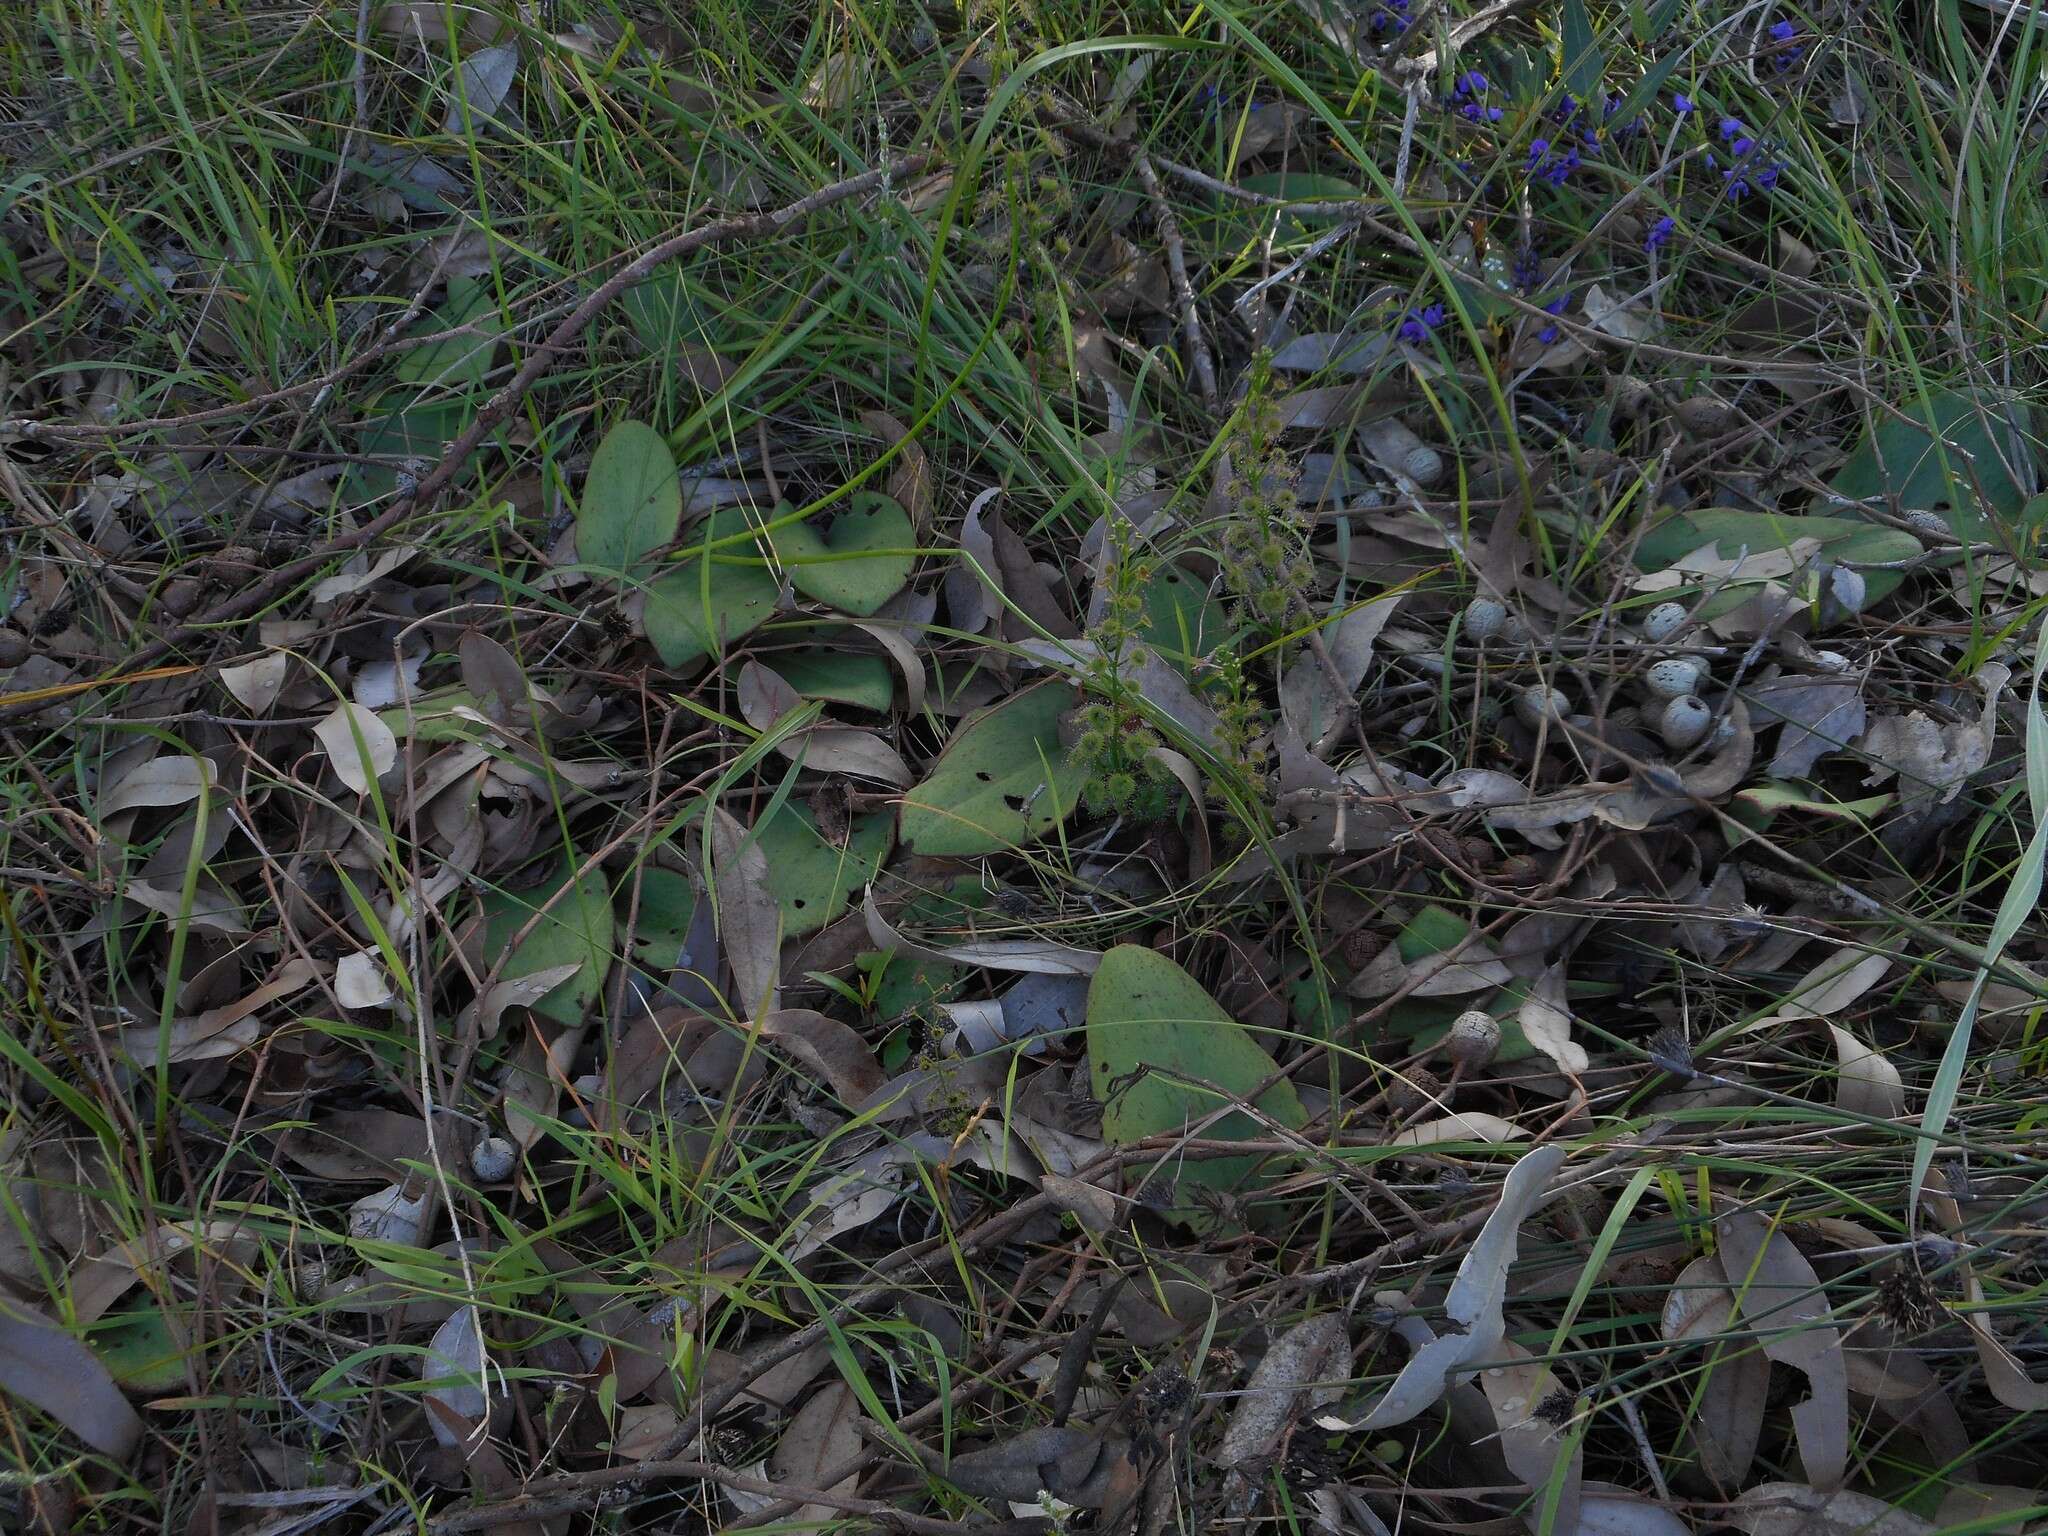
814, 879
1163, 1056
631, 503
700, 606
857, 563
577, 928
838, 677
1002, 780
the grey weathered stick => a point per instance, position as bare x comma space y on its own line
1200, 363
752, 226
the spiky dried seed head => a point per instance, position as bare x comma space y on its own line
1670, 1051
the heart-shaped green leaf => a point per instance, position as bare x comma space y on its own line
813, 879
705, 603
406, 430
631, 503
838, 677
1751, 537
575, 929
1002, 780
1163, 1056
1967, 475
857, 563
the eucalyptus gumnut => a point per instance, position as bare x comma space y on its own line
1535, 702
1684, 723
1483, 619
1673, 678
1473, 1040
493, 1159
1664, 621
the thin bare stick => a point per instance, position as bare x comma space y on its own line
437, 481
359, 77
1200, 363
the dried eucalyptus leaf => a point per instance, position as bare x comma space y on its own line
1301, 1368
1474, 1300
1781, 1297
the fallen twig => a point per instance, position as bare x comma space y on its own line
1200, 363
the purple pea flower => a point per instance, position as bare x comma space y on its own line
1418, 325
1660, 234
1550, 333
1730, 128
1682, 103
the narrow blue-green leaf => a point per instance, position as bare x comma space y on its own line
1583, 66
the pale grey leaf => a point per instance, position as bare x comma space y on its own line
824, 1435
749, 919
454, 1361
1781, 1297
1301, 1368
1795, 1509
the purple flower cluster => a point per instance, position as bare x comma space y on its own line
1660, 234
1418, 325
1553, 162
1468, 99
1753, 168
1389, 18
1786, 55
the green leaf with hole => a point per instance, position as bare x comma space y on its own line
812, 878
631, 503
577, 929
856, 562
1163, 1056
1969, 468
1764, 538
838, 677
661, 927
1183, 622
142, 1350
1003, 780
703, 604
